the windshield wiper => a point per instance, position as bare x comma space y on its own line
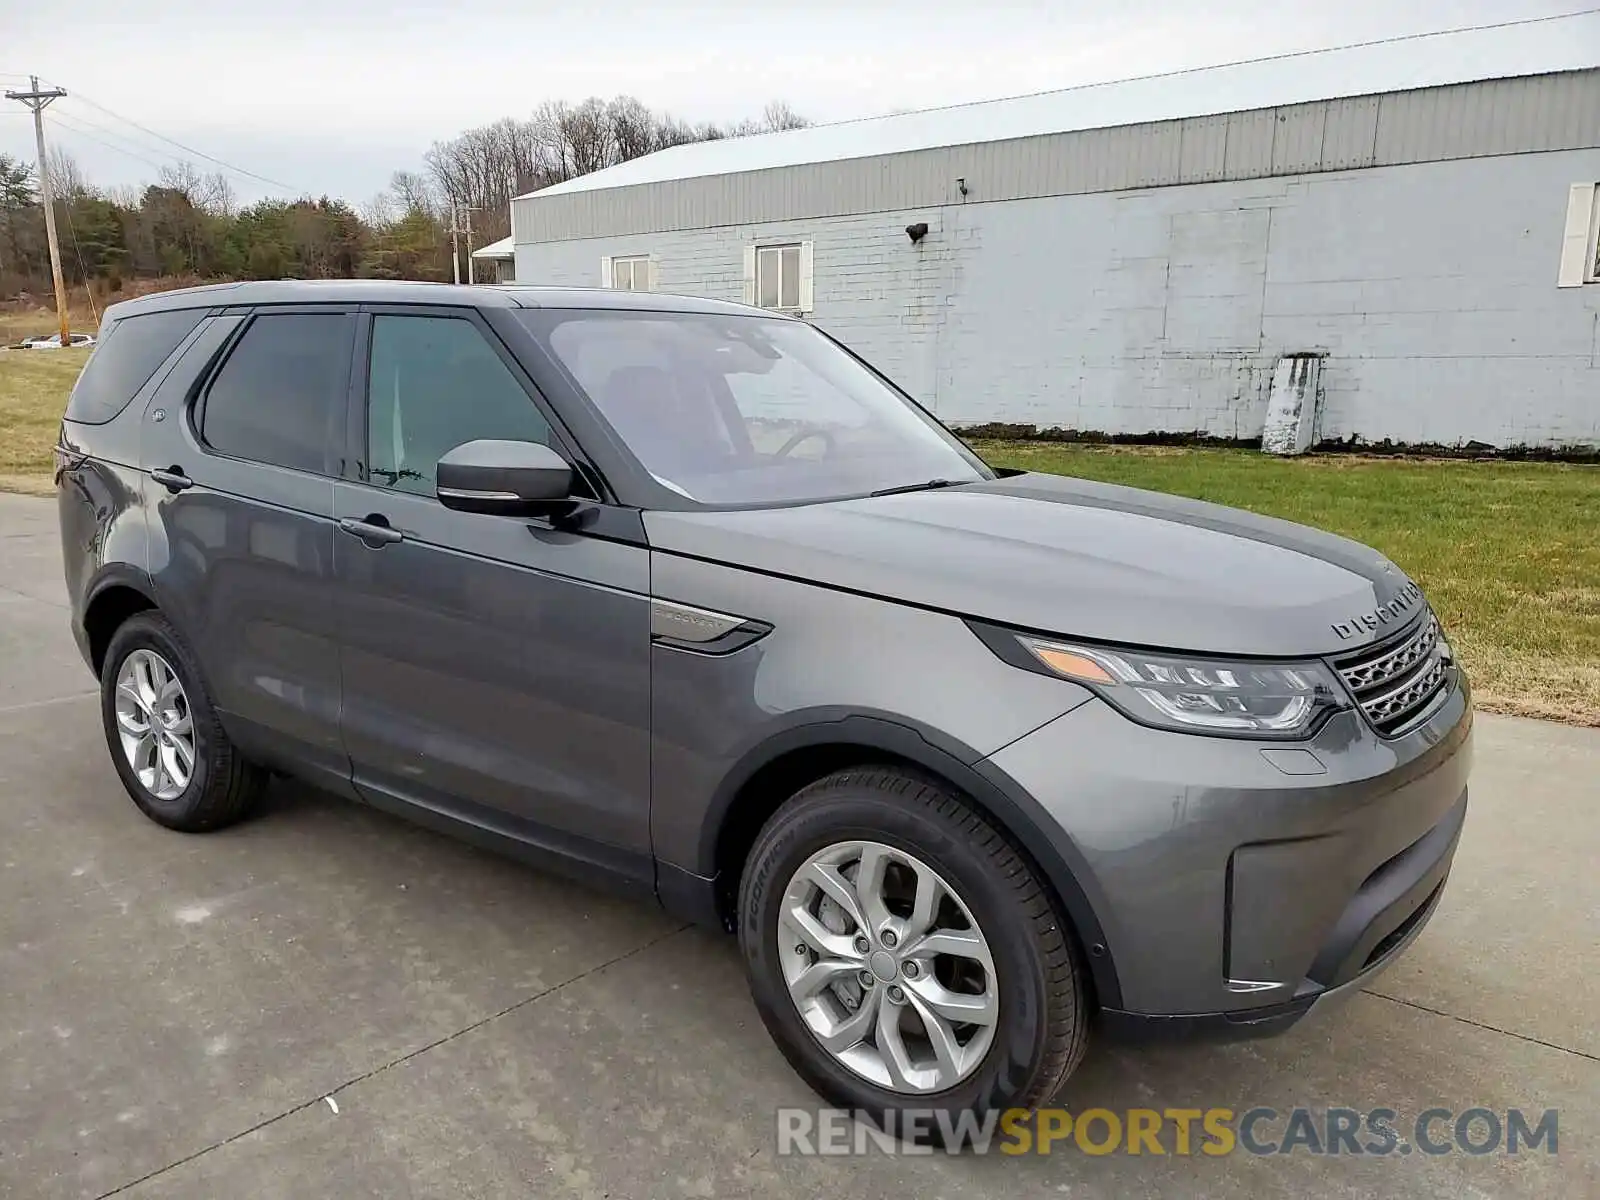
926, 486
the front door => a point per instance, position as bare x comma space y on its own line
496, 669
243, 440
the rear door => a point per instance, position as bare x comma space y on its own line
496, 669
242, 524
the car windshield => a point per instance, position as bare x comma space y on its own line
734, 410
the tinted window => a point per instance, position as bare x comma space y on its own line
279, 397
123, 362
748, 410
435, 383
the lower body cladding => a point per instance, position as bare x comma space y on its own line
1240, 883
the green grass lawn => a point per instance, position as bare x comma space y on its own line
1509, 553
33, 391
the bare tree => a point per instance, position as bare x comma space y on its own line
633, 128
412, 192
588, 136
379, 211
669, 131
485, 168
778, 116
124, 195
66, 178
216, 195
183, 179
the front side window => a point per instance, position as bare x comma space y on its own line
280, 396
434, 383
748, 410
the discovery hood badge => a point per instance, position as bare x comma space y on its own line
1401, 607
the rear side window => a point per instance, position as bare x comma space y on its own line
280, 395
123, 362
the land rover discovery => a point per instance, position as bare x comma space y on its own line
684, 596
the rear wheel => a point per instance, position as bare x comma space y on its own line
904, 955
169, 748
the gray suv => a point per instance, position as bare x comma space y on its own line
685, 597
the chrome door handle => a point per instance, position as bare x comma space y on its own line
172, 478
374, 531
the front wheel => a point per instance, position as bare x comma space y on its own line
905, 956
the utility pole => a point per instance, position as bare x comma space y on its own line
455, 249
470, 278
37, 100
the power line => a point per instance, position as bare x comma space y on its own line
237, 170
126, 146
74, 123
115, 135
63, 123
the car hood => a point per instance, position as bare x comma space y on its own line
1072, 558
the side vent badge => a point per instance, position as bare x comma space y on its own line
700, 630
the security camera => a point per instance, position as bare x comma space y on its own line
918, 231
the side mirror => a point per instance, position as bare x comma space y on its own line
507, 478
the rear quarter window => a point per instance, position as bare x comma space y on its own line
126, 357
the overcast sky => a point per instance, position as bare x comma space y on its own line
331, 96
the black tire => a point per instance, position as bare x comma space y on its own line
222, 787
1044, 1016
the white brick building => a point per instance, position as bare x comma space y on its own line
1097, 260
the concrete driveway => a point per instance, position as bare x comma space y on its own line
173, 1010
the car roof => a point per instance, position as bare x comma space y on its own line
387, 291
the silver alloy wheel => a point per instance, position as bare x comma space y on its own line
887, 967
154, 724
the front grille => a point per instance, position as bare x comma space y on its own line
1394, 681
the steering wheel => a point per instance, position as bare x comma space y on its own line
803, 435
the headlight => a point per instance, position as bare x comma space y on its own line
1199, 695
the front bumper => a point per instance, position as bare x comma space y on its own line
1235, 889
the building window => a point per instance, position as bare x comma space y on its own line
631, 273
1594, 235
779, 276
1580, 241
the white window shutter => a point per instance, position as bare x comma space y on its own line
750, 274
606, 279
653, 275
807, 295
1575, 247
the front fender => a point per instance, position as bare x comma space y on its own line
865, 735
